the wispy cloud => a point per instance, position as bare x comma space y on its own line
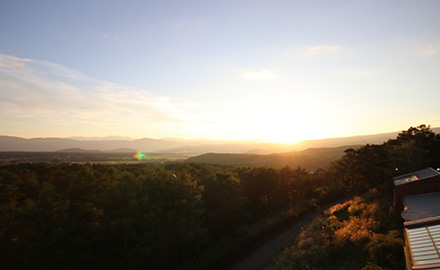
113, 39
49, 95
11, 61
16, 64
427, 50
197, 25
258, 75
108, 36
310, 51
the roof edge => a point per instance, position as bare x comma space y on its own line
422, 222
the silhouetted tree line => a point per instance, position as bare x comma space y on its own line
374, 165
176, 215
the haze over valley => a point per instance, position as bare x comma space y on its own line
311, 155
190, 147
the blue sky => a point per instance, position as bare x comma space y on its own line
232, 70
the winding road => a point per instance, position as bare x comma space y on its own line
261, 257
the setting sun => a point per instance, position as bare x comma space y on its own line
280, 129
275, 80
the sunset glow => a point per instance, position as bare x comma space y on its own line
280, 71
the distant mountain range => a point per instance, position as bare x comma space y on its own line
172, 145
8, 143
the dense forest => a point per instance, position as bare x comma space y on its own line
199, 216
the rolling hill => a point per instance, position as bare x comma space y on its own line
310, 159
189, 147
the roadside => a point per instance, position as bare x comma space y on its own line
261, 257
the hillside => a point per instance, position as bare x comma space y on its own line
310, 159
77, 150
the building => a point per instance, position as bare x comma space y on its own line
417, 199
414, 183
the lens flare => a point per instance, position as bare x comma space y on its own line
139, 155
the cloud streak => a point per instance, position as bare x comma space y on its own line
40, 94
258, 75
428, 51
312, 51
113, 39
197, 25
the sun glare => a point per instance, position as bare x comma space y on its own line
287, 124
283, 131
285, 135
285, 138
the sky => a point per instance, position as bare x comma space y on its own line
224, 70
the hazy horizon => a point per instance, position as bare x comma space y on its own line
126, 138
278, 71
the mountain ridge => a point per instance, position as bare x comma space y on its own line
192, 147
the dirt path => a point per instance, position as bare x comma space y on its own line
261, 257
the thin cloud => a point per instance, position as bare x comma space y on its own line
258, 75
50, 95
11, 61
305, 51
312, 51
113, 39
197, 25
428, 51
110, 37
16, 64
